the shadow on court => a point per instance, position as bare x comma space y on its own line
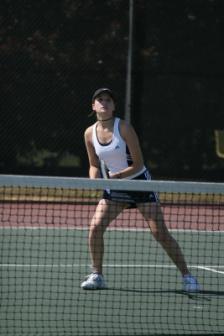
206, 295
168, 291
203, 295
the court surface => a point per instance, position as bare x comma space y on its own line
44, 260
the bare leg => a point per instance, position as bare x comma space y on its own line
105, 212
153, 215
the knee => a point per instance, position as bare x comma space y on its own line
161, 236
96, 230
157, 235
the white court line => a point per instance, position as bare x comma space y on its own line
52, 227
211, 268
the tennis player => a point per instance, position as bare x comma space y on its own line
113, 143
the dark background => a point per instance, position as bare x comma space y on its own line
54, 54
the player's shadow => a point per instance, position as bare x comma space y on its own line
202, 295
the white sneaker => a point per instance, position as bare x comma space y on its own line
94, 281
190, 284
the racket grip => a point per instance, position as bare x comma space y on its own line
104, 170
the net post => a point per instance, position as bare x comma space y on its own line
129, 64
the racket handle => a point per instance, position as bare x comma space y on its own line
104, 170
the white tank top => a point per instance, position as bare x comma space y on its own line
115, 154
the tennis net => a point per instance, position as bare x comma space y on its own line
44, 258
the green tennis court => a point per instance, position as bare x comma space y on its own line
44, 258
41, 271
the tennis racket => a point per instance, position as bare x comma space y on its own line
104, 170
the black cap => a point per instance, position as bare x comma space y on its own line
103, 90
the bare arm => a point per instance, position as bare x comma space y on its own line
94, 171
130, 137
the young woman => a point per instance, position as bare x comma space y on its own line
114, 141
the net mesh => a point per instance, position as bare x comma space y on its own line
44, 258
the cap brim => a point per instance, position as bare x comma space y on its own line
103, 90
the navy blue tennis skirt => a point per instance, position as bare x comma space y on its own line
132, 197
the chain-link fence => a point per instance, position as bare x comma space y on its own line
54, 54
